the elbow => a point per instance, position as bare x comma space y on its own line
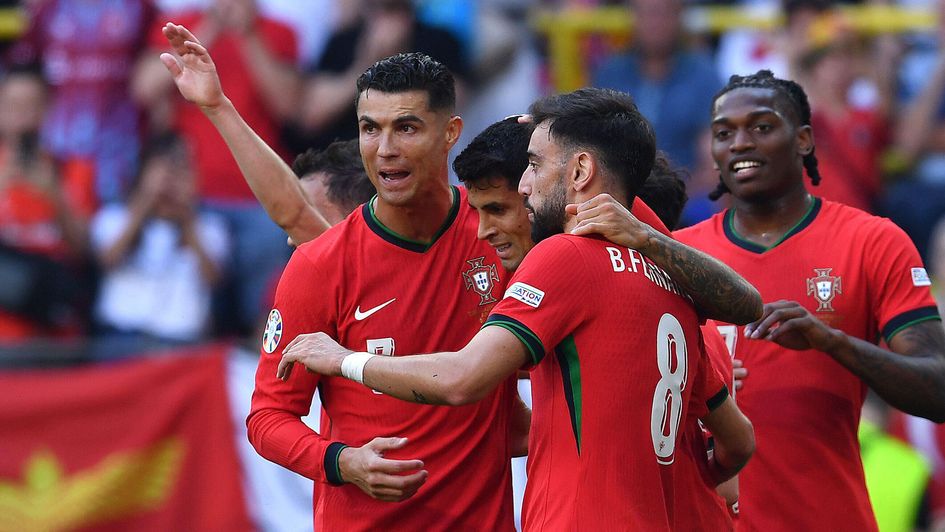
461, 391
741, 449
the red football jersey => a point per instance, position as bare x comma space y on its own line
377, 292
623, 350
700, 506
858, 273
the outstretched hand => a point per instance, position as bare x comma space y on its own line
789, 324
318, 352
191, 67
381, 478
605, 216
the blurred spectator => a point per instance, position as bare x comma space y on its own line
937, 264
87, 49
43, 220
897, 476
851, 139
919, 195
255, 57
506, 68
312, 31
383, 28
160, 255
672, 86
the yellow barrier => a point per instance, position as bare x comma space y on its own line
565, 29
12, 23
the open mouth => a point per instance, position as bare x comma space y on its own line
396, 175
744, 168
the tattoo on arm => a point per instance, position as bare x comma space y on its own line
419, 398
717, 290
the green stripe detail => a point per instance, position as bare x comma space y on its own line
408, 243
332, 467
910, 324
568, 360
740, 241
531, 341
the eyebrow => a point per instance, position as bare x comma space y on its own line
751, 116
399, 120
532, 155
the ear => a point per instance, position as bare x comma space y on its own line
583, 172
805, 140
454, 128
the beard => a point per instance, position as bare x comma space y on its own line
549, 217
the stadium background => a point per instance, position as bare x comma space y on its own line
104, 431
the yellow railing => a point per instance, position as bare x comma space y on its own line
12, 23
564, 30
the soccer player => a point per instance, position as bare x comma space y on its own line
369, 280
837, 280
614, 343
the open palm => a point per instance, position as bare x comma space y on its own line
192, 68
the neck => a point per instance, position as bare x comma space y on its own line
422, 219
766, 222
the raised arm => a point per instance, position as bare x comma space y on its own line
717, 291
449, 378
269, 177
909, 376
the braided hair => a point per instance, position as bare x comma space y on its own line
785, 88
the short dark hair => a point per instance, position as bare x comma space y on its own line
499, 152
409, 72
606, 122
788, 92
665, 190
347, 182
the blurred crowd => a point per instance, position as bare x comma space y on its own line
123, 215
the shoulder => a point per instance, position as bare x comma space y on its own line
854, 223
701, 230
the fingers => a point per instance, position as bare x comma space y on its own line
172, 65
293, 343
398, 488
738, 373
384, 444
387, 465
285, 367
775, 315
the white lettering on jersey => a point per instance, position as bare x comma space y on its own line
615, 259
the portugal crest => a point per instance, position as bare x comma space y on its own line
480, 278
824, 287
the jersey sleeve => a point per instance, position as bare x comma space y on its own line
709, 389
274, 423
900, 285
539, 306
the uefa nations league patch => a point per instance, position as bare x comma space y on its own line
273, 333
920, 277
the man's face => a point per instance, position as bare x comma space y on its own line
543, 184
757, 147
404, 145
315, 187
503, 220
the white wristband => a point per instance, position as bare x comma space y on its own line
352, 366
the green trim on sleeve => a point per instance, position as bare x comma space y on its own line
531, 341
332, 467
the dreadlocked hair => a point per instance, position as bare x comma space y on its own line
785, 88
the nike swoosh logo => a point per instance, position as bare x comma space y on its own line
358, 315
